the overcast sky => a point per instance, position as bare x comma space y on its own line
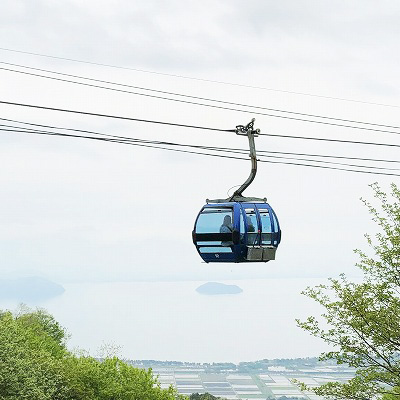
74, 210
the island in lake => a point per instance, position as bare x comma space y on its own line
214, 288
29, 289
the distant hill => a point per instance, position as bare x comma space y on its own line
29, 289
244, 366
214, 288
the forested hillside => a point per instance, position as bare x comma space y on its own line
35, 364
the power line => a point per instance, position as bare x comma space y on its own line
199, 79
215, 106
179, 94
192, 126
154, 144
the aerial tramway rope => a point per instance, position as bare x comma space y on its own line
296, 118
193, 126
196, 78
162, 145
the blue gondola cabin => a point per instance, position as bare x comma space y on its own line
237, 232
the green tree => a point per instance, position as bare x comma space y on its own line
114, 379
362, 320
204, 396
35, 364
31, 358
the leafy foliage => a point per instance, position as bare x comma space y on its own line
204, 396
31, 357
362, 320
35, 364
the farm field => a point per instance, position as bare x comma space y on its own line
266, 385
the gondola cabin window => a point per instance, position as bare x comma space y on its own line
275, 229
215, 220
266, 227
252, 226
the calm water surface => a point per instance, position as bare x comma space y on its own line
171, 321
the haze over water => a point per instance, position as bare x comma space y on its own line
171, 321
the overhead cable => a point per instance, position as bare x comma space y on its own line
156, 145
35, 132
124, 139
229, 148
216, 106
199, 79
331, 156
115, 116
330, 140
180, 94
192, 126
275, 154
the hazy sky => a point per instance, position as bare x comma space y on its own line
77, 210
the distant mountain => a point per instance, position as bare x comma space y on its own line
29, 289
213, 288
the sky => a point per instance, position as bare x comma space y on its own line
85, 211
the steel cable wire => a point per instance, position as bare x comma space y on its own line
198, 79
187, 96
212, 105
231, 149
155, 144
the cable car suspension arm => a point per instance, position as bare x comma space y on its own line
251, 133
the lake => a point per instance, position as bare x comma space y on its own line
171, 321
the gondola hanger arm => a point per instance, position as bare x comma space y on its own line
249, 131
